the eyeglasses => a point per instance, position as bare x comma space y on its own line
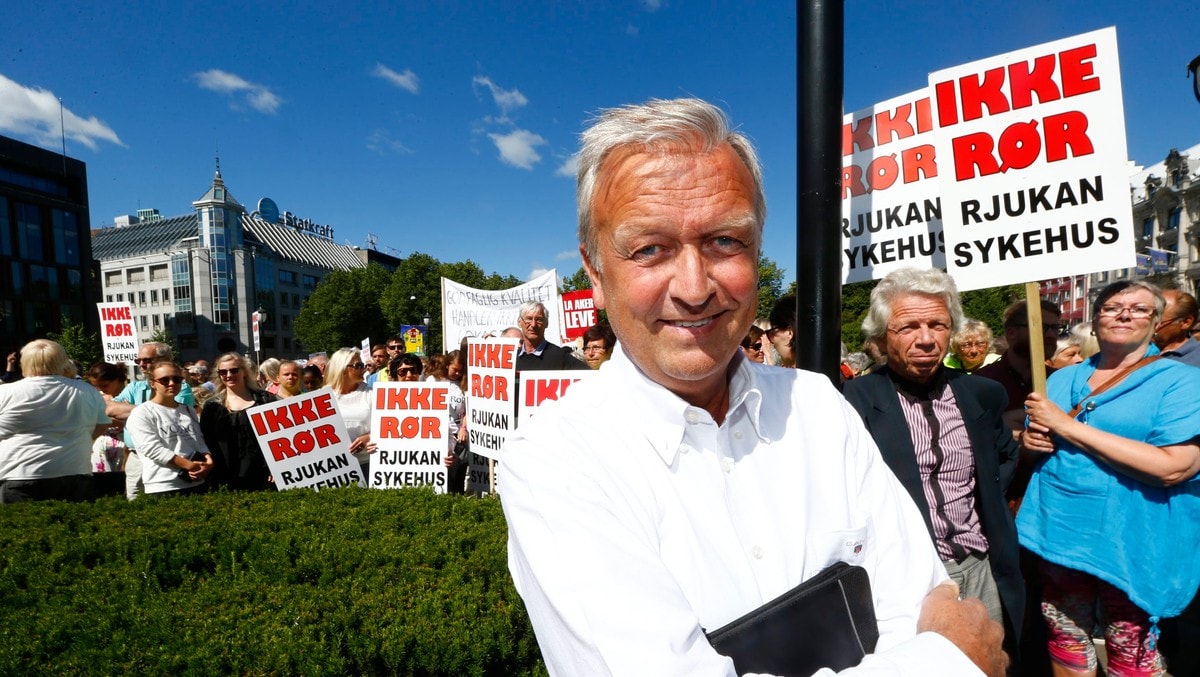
404, 370
232, 371
144, 360
533, 320
167, 381
593, 349
973, 344
1136, 312
357, 365
394, 346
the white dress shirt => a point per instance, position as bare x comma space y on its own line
636, 522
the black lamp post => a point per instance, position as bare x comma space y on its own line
1194, 74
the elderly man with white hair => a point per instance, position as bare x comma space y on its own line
942, 433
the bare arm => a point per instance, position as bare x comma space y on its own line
1160, 466
118, 411
966, 624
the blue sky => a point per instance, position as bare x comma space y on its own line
449, 128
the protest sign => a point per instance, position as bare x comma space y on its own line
255, 318
409, 426
492, 365
364, 352
579, 313
479, 474
414, 338
1032, 158
305, 442
539, 387
891, 212
117, 333
468, 312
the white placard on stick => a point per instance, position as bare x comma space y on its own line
305, 442
409, 425
117, 333
1032, 163
539, 387
491, 404
891, 210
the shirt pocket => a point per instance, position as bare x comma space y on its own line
825, 548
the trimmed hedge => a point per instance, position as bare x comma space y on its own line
346, 581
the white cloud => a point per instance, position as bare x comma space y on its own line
33, 113
259, 97
569, 167
518, 148
537, 271
506, 99
567, 255
407, 80
653, 5
380, 141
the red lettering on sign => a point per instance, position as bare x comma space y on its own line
492, 355
303, 442
1020, 145
489, 387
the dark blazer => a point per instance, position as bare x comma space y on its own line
981, 402
552, 357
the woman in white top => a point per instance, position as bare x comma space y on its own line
47, 423
344, 376
168, 438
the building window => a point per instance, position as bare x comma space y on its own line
310, 281
108, 298
166, 295
1173, 219
29, 232
144, 323
135, 275
158, 273
296, 301
66, 237
287, 277
120, 298
1147, 227
154, 297
157, 323
112, 278
141, 299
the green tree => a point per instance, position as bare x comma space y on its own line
415, 292
161, 335
856, 301
81, 346
987, 305
577, 281
770, 285
344, 308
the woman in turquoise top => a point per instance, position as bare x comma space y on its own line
1113, 509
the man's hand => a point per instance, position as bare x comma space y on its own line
965, 622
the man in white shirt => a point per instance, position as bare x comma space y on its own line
684, 486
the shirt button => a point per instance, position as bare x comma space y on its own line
737, 434
726, 465
757, 552
683, 448
692, 417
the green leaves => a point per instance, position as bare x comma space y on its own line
346, 581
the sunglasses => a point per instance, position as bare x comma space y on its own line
232, 371
395, 346
357, 365
167, 381
404, 370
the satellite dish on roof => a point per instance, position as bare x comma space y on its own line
268, 211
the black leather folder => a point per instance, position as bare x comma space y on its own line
827, 621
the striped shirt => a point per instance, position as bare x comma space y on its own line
947, 465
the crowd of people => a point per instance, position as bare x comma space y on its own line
1003, 529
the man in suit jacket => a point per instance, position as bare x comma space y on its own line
940, 430
535, 352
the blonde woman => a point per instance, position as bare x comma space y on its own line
167, 437
227, 430
345, 376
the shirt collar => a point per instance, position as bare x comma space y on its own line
536, 351
664, 416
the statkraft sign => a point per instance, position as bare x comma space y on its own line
1032, 163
